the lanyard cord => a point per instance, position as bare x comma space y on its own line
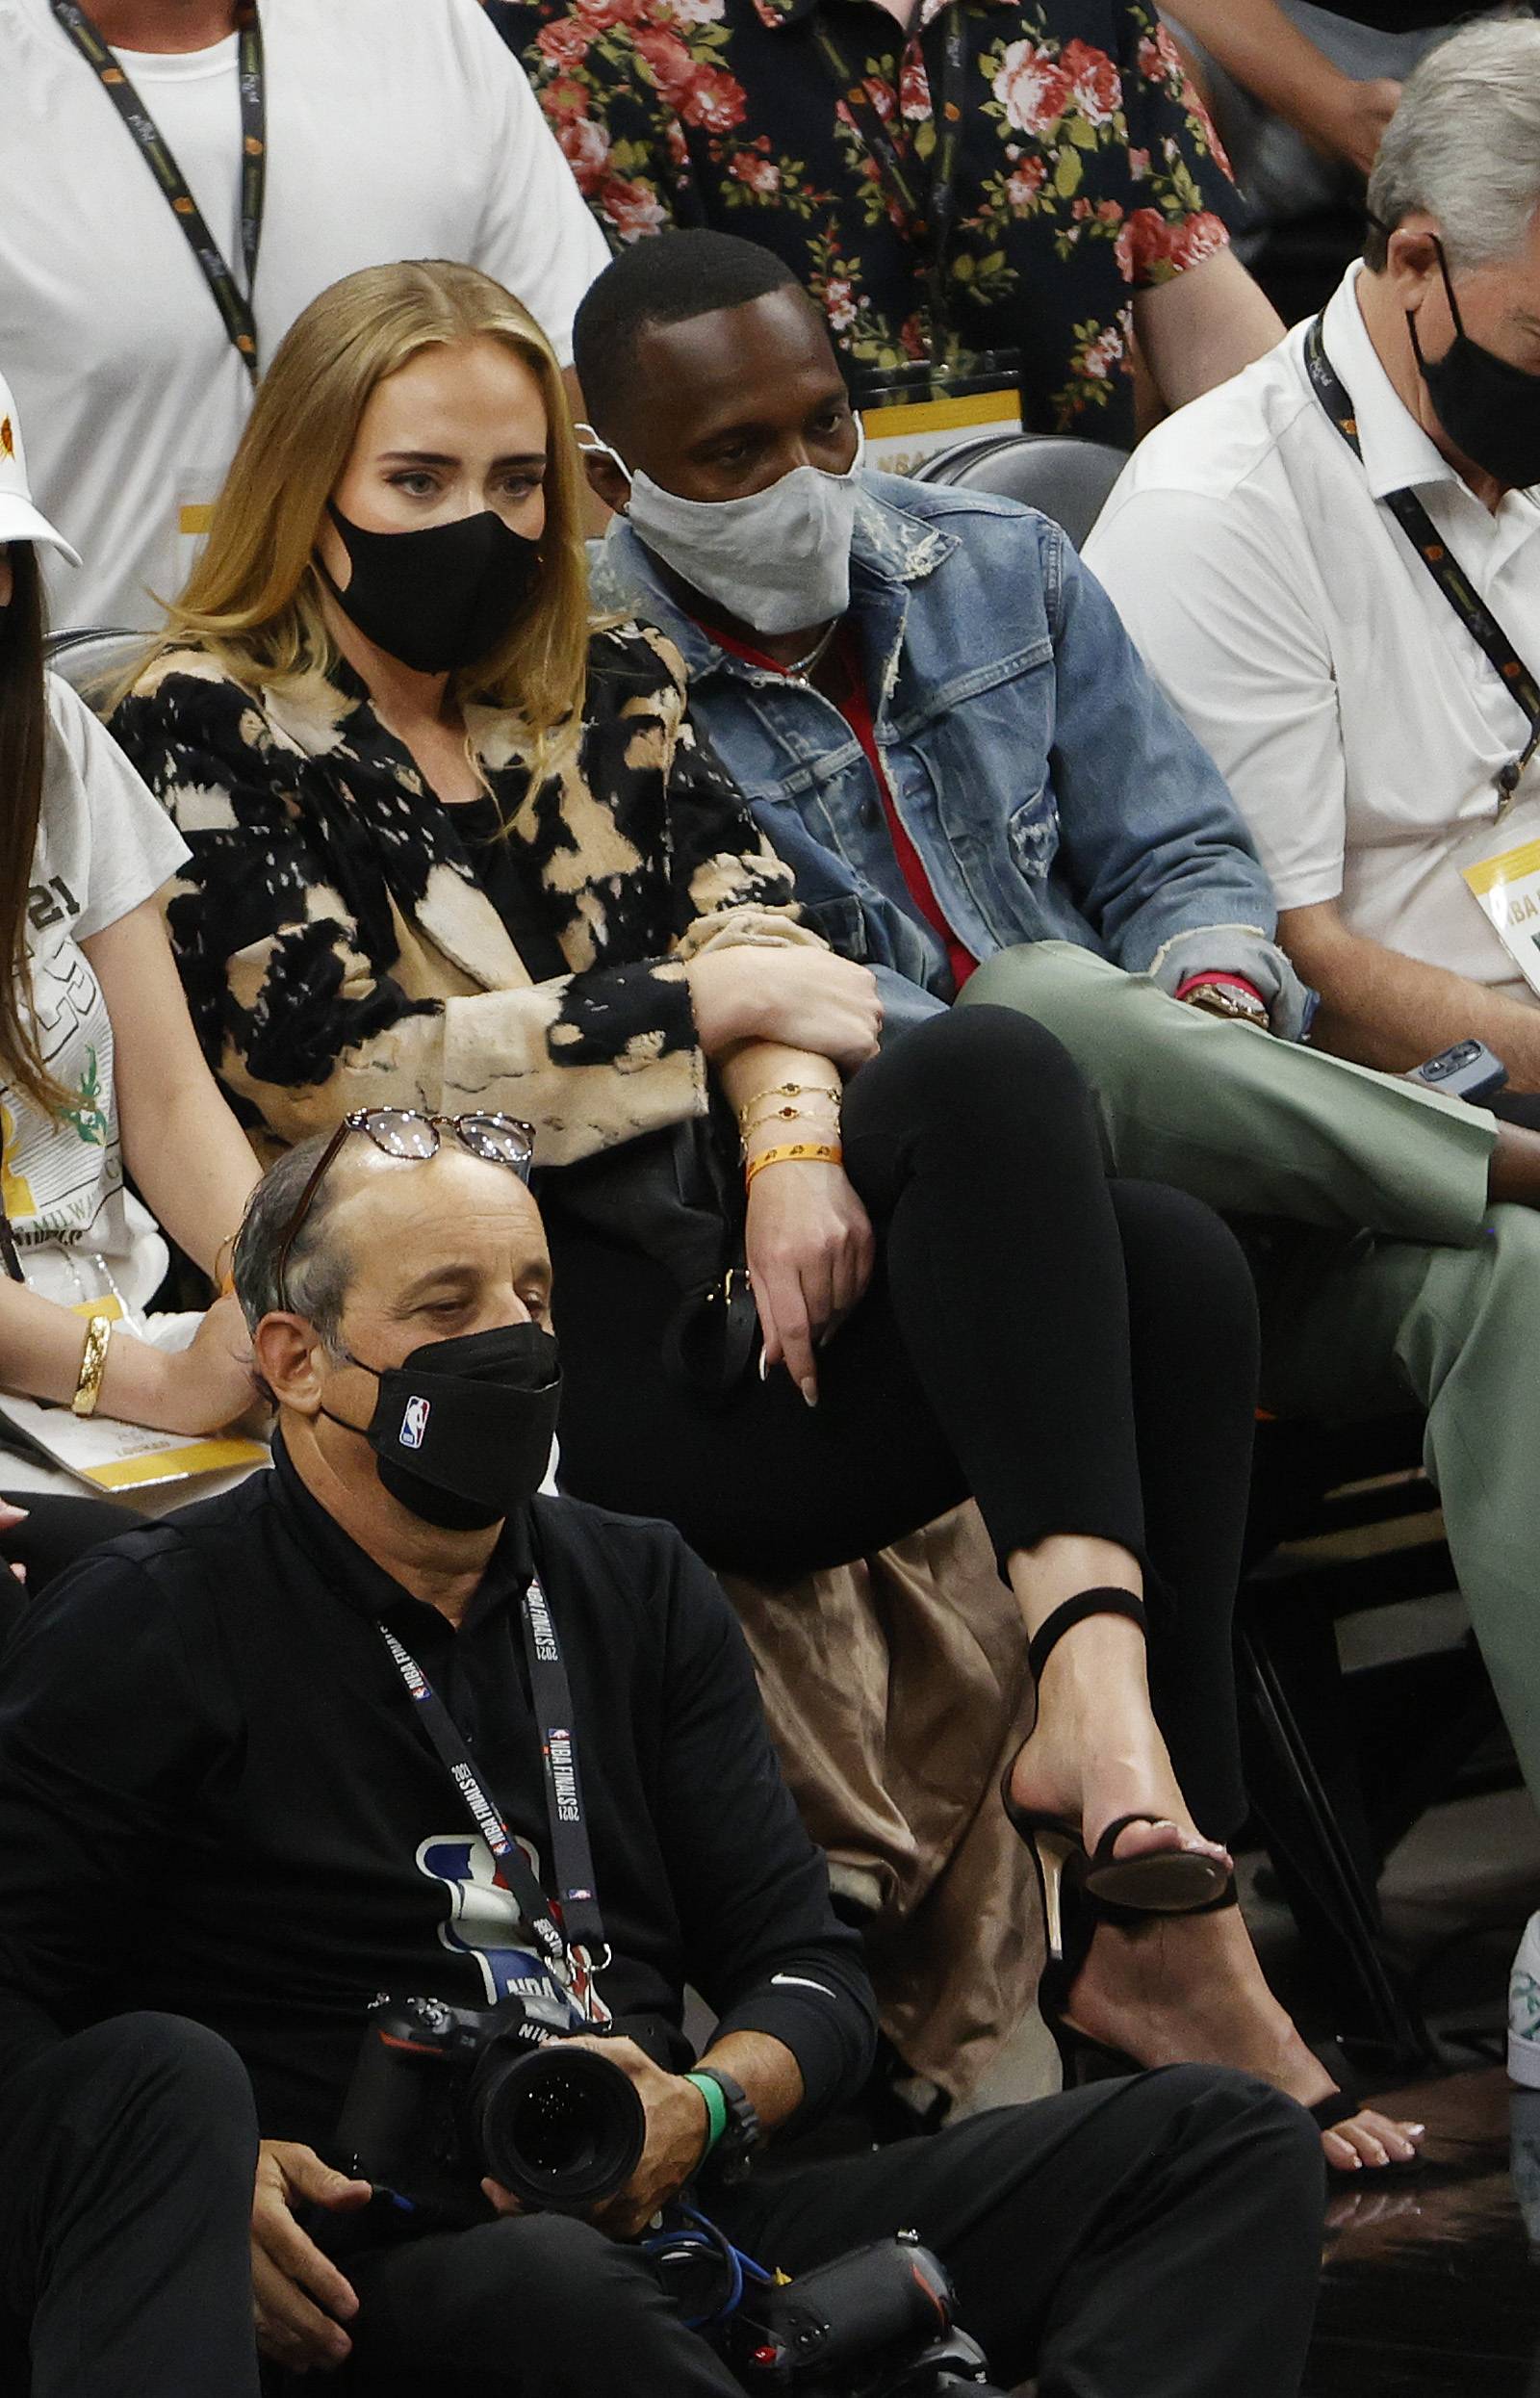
234, 304
570, 1945
931, 209
1447, 572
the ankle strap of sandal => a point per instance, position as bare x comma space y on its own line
1048, 1635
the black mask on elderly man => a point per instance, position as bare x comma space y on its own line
440, 596
462, 1428
1489, 407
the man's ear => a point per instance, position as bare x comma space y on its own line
289, 1358
1412, 259
606, 480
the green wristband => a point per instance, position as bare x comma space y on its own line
716, 2110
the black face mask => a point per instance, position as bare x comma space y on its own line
1489, 407
438, 598
463, 1429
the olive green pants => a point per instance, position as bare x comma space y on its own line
1397, 1285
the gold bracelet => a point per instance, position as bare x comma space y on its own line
93, 1365
789, 1116
803, 1152
794, 1091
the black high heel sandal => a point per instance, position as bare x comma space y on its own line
1083, 2060
1170, 1881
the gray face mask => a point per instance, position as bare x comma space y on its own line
778, 560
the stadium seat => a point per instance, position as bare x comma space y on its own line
1066, 478
90, 657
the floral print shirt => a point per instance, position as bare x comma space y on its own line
1087, 171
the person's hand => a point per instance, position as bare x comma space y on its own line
10, 1518
810, 1248
300, 2300
208, 1384
804, 997
676, 2126
1357, 119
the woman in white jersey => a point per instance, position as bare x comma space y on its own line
98, 1069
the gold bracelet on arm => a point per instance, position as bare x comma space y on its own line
93, 1365
800, 1153
792, 1091
827, 1125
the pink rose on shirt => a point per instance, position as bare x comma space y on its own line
585, 147
633, 209
1094, 80
914, 87
1144, 242
1099, 357
1159, 58
839, 302
712, 99
668, 58
761, 174
565, 43
1197, 238
694, 12
1022, 187
1031, 88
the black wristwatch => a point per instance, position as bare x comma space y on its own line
733, 2153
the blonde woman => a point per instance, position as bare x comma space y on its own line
453, 851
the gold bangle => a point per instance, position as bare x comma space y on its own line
93, 1365
802, 1152
794, 1091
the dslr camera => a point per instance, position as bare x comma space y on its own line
876, 2324
442, 2096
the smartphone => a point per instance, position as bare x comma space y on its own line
1467, 1071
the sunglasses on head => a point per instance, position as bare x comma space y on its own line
407, 1132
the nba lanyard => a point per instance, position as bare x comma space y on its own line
931, 211
1447, 572
234, 305
574, 1948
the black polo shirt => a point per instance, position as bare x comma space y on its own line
216, 1798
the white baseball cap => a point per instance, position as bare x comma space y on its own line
20, 520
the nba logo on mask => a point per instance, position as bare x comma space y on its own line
414, 1422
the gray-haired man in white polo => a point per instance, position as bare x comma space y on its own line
1272, 550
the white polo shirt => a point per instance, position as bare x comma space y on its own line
396, 129
1280, 606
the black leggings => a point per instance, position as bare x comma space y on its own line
1079, 1354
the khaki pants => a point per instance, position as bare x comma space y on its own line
1398, 1284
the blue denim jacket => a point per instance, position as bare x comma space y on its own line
1052, 793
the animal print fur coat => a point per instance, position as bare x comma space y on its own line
338, 950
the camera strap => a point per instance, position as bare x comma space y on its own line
574, 1947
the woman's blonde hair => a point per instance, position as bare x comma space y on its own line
253, 600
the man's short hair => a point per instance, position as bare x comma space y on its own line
667, 279
1464, 146
318, 1273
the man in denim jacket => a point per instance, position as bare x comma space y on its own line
939, 719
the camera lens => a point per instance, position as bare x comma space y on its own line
559, 2126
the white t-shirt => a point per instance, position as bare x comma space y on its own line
104, 845
1281, 606
396, 129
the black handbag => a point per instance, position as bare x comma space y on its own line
675, 1196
